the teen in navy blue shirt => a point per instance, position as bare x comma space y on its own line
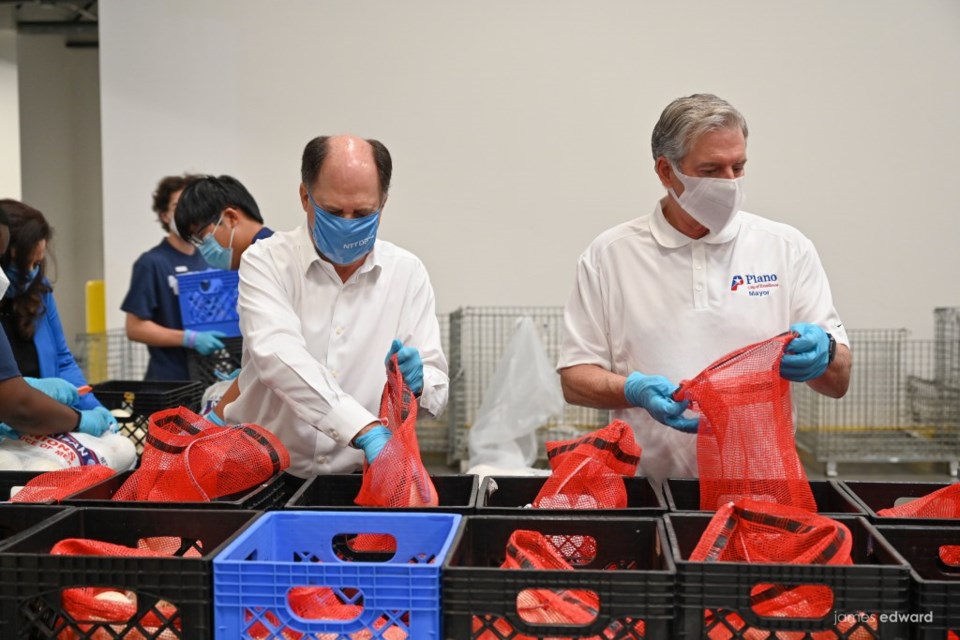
220, 217
152, 305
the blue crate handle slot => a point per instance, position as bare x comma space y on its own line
210, 286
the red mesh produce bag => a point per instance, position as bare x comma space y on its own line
187, 459
745, 444
397, 477
588, 471
57, 485
100, 605
942, 503
533, 550
312, 603
758, 531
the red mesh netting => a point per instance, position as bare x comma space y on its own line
57, 485
759, 531
99, 604
397, 477
533, 550
187, 459
950, 555
942, 503
745, 444
588, 471
324, 603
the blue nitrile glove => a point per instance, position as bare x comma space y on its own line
233, 375
205, 342
373, 441
97, 421
57, 388
655, 394
215, 419
411, 366
807, 355
6, 431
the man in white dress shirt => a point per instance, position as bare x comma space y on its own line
320, 308
660, 297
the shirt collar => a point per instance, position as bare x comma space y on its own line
309, 255
670, 238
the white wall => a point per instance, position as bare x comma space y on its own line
9, 108
520, 130
60, 145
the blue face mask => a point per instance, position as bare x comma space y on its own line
18, 284
217, 256
343, 240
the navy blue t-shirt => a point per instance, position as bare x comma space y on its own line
8, 364
153, 296
263, 233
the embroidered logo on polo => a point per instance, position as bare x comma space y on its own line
754, 284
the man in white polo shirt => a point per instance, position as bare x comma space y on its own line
662, 296
322, 305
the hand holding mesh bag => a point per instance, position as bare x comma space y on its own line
397, 477
746, 446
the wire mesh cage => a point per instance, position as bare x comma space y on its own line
110, 356
478, 336
902, 404
432, 431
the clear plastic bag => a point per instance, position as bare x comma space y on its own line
525, 394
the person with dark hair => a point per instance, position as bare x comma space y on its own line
28, 311
26, 406
660, 297
220, 217
320, 306
152, 305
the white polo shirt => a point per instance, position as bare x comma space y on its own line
314, 347
650, 299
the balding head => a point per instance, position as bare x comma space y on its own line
347, 159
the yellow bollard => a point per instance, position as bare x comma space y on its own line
96, 331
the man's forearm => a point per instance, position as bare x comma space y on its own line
836, 379
589, 385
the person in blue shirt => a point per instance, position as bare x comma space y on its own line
220, 217
152, 305
34, 406
28, 311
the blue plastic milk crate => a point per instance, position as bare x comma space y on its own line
208, 301
393, 593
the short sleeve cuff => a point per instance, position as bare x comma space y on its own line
345, 420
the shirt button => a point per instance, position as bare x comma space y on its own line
339, 331
322, 460
699, 287
334, 373
699, 266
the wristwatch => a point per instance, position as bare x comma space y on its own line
832, 349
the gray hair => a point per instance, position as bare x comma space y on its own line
686, 119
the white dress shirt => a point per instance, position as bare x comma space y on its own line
314, 346
650, 299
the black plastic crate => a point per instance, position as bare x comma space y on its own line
877, 583
17, 520
875, 496
456, 494
32, 580
936, 586
631, 573
510, 495
204, 368
683, 494
143, 398
270, 494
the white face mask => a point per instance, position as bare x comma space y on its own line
710, 201
4, 283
